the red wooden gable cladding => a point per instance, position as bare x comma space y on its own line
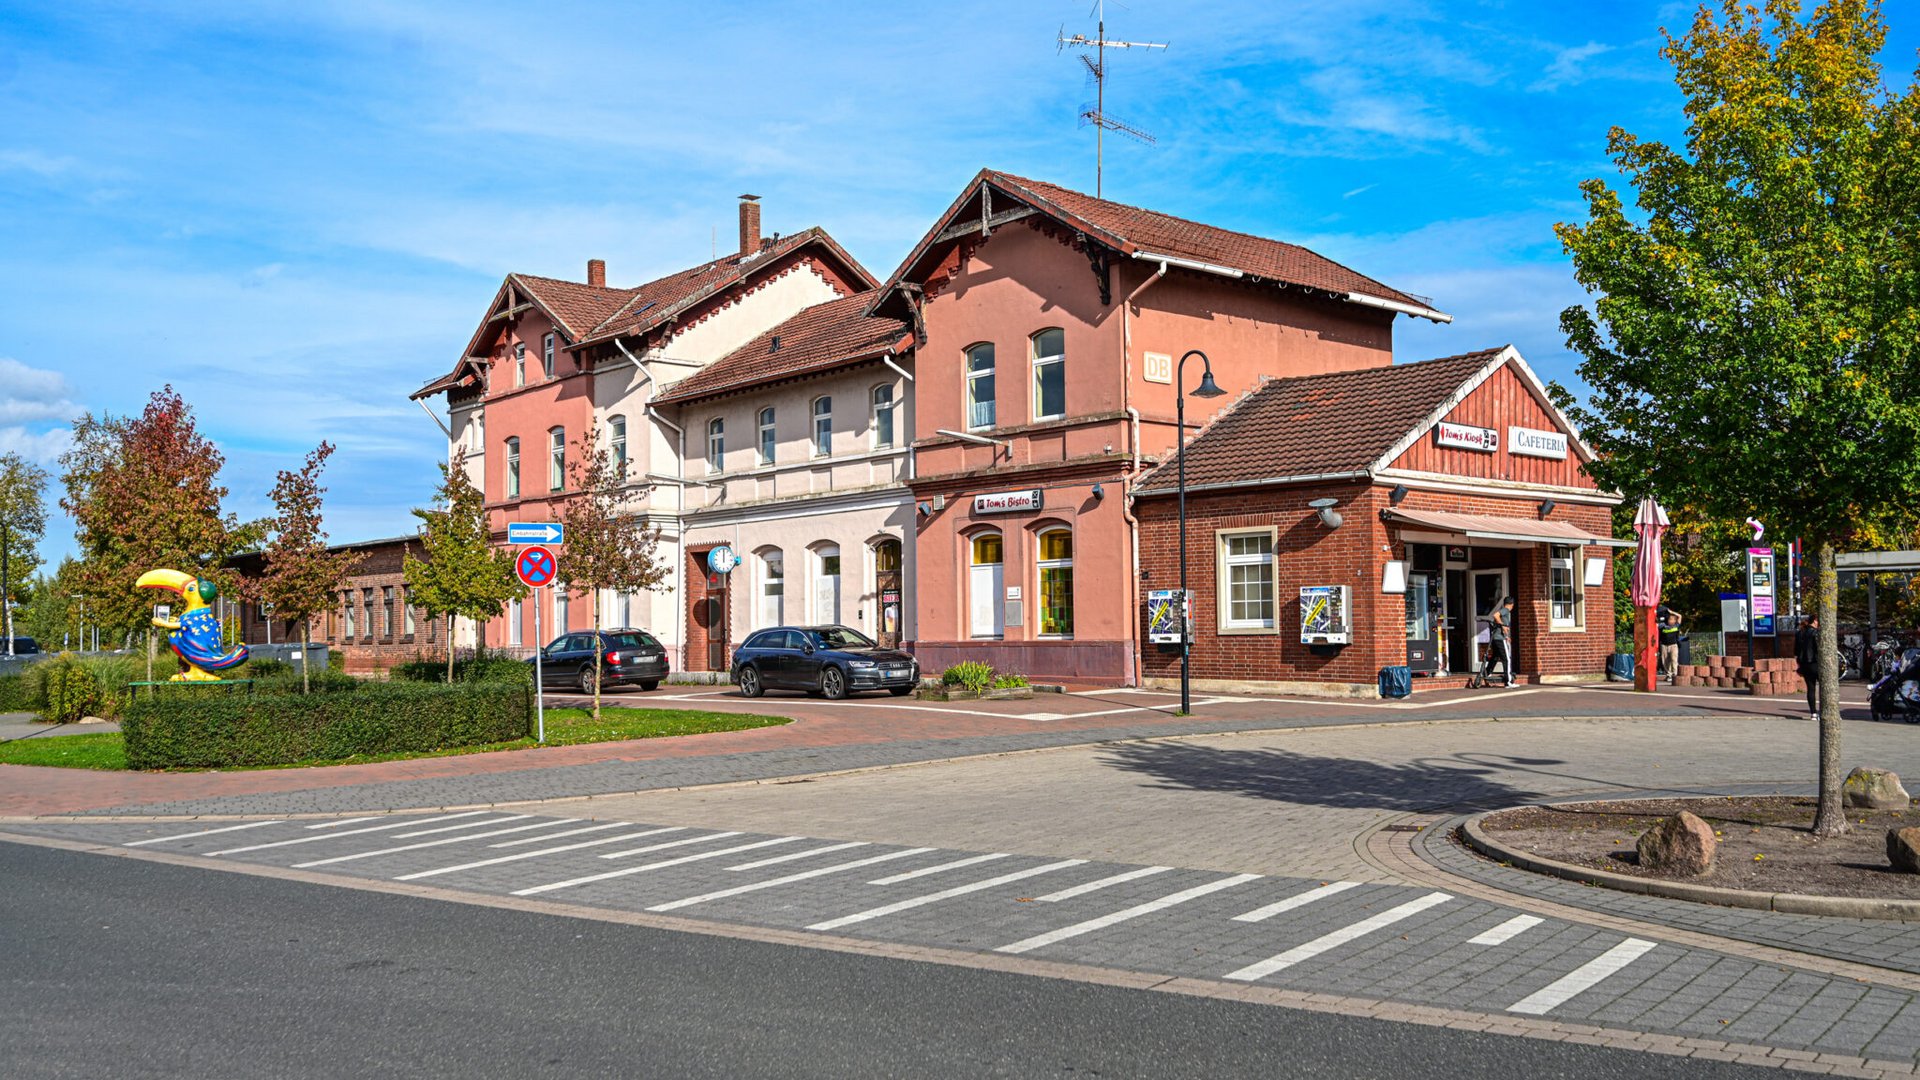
1502, 402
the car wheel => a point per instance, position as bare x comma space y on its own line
899, 691
586, 681
750, 682
833, 683
650, 686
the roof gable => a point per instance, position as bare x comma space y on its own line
814, 340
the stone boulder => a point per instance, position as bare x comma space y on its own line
1682, 844
1903, 849
1874, 789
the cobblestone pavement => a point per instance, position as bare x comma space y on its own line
1331, 937
825, 737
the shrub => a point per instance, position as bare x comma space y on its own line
484, 668
191, 727
337, 660
13, 694
971, 675
1009, 681
264, 667
65, 689
320, 680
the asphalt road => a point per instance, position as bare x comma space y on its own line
118, 967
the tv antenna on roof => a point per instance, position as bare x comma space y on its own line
1095, 113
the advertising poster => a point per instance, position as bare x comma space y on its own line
1760, 590
1165, 616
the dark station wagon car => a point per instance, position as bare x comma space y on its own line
827, 661
625, 658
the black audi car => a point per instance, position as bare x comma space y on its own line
625, 658
828, 661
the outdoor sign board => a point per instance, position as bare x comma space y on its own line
536, 532
1466, 437
1008, 502
1760, 589
1324, 615
1529, 442
535, 567
1164, 618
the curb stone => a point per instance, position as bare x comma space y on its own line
1788, 903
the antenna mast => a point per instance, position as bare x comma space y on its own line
1096, 112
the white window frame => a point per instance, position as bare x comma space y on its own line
519, 363
887, 410
768, 447
513, 622
349, 624
1040, 362
1041, 566
562, 607
406, 609
1569, 563
770, 560
556, 459
617, 442
717, 444
822, 412
546, 355
513, 467
1226, 562
972, 377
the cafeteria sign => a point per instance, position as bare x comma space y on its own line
1007, 502
1528, 442
1465, 437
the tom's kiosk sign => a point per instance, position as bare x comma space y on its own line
1008, 502
1465, 437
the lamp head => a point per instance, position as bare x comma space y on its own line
1207, 387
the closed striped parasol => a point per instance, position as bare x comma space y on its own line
1649, 524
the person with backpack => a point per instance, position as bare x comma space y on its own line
1499, 645
1806, 657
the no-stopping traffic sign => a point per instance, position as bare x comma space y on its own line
535, 567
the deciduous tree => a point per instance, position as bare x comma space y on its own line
1754, 347
607, 545
23, 521
302, 577
463, 573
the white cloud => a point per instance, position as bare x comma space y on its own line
38, 162
28, 394
44, 447
1349, 103
1569, 66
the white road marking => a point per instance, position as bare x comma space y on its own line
466, 825
342, 821
433, 843
1091, 886
517, 856
802, 876
670, 843
1300, 900
944, 894
1582, 978
1123, 915
1337, 938
924, 871
350, 832
569, 832
663, 864
807, 854
1506, 931
202, 832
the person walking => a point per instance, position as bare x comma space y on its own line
1806, 657
1499, 643
1669, 644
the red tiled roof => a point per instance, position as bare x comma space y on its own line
1341, 422
817, 339
577, 307
1138, 229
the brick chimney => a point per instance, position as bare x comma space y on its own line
749, 224
597, 273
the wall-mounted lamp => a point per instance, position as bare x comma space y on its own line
1546, 507
1398, 495
1328, 515
1099, 492
925, 508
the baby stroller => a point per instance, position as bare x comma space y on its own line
1898, 695
1483, 644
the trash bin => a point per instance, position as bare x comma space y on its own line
1396, 681
1686, 648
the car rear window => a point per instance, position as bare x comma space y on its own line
632, 640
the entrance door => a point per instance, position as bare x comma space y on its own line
887, 590
1489, 586
716, 625
1459, 627
985, 582
1423, 639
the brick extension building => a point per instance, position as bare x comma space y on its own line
373, 623
1458, 471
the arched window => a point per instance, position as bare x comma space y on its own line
513, 468
883, 416
716, 445
617, 443
822, 426
546, 355
556, 459
1056, 583
986, 580
766, 435
889, 597
1049, 374
980, 386
773, 587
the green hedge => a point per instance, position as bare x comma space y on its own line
485, 668
13, 694
211, 728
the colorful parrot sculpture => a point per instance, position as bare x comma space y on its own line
195, 635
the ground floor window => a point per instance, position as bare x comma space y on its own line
1056, 583
560, 606
513, 623
1564, 593
826, 584
1246, 600
773, 587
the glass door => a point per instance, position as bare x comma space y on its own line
1423, 646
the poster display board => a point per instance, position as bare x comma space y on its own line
1166, 616
1326, 615
1760, 590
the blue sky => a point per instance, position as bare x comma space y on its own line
296, 215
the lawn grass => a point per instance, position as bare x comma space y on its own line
565, 727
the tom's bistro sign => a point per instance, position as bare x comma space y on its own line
1466, 437
1008, 502
1531, 443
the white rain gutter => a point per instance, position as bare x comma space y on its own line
887, 359
1395, 305
1188, 264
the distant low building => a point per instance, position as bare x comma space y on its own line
373, 622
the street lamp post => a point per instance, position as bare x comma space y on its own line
1206, 389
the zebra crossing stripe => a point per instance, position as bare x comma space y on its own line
1123, 915
1581, 979
804, 875
1337, 938
944, 894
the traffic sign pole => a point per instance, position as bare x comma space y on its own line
536, 567
539, 683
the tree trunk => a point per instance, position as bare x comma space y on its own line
450, 624
596, 658
1831, 818
306, 685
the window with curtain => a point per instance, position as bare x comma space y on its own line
556, 459
1247, 559
883, 408
519, 363
980, 386
513, 468
1056, 583
716, 445
1049, 374
766, 435
822, 426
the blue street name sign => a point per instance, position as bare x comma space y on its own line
535, 532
